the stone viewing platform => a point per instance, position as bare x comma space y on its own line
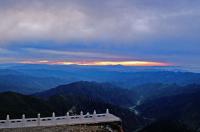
67, 120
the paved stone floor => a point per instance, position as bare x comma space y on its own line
65, 128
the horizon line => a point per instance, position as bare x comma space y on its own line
100, 63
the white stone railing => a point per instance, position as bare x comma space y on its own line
61, 120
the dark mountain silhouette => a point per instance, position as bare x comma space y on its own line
76, 103
183, 107
166, 126
17, 104
96, 91
153, 91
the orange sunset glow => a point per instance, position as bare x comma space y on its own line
100, 63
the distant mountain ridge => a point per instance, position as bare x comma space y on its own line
28, 76
27, 84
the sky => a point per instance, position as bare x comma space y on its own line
100, 32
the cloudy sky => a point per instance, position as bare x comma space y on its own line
54, 31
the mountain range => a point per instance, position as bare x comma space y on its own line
31, 78
145, 100
104, 92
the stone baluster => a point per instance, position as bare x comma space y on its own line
94, 114
23, 120
53, 118
38, 119
67, 115
107, 112
81, 115
8, 121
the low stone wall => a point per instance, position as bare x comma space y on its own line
115, 127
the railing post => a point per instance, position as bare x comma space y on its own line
88, 114
53, 119
81, 115
107, 112
94, 114
8, 121
67, 116
23, 120
38, 119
